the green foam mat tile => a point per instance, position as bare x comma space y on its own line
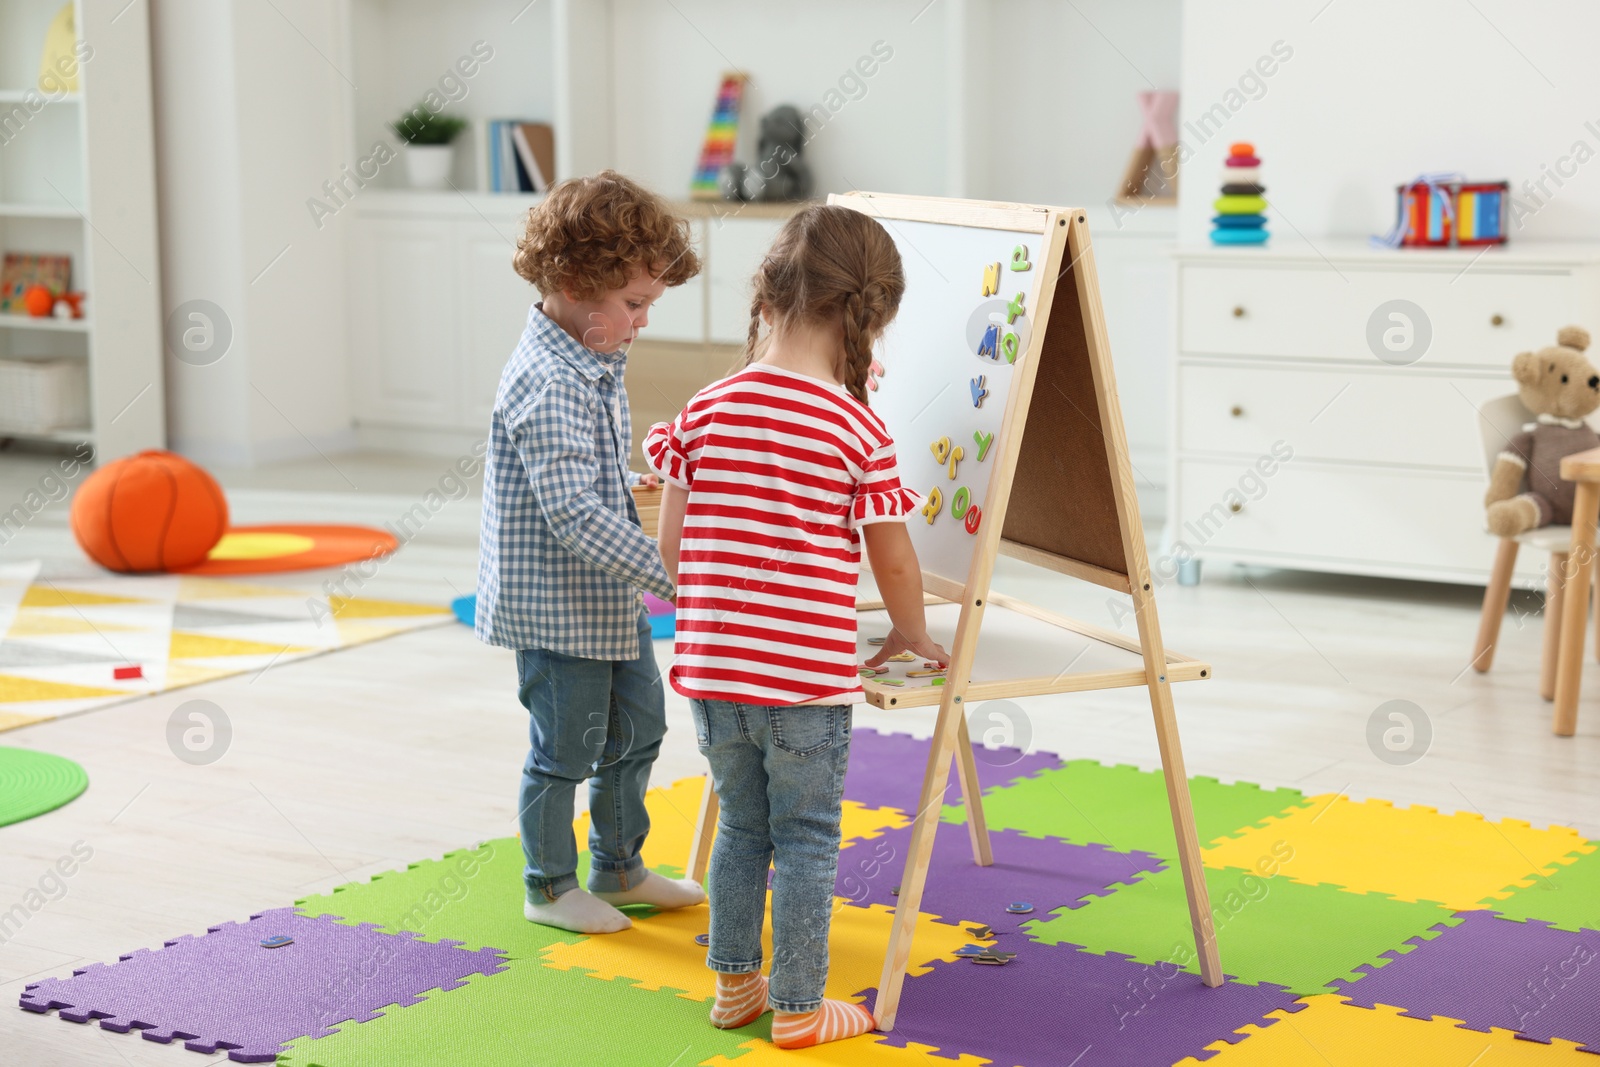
32, 783
1123, 807
1268, 929
531, 1014
1568, 897
471, 895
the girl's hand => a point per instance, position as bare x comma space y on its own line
923, 646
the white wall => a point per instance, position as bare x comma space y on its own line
669, 58
1067, 138
1376, 92
248, 126
403, 49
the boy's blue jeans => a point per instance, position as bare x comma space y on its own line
779, 774
601, 720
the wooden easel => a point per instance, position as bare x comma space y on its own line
1062, 439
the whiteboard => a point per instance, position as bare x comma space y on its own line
930, 356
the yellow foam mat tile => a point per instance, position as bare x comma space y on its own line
52, 596
202, 646
1413, 854
659, 951
37, 623
363, 608
1328, 1032
868, 1049
15, 688
674, 808
10, 720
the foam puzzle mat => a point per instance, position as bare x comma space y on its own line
70, 646
1352, 933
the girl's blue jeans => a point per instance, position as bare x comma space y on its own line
779, 774
595, 720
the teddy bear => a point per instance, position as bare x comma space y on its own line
781, 173
1560, 386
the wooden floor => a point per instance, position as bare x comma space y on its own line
357, 762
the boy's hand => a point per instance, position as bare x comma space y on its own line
648, 481
923, 646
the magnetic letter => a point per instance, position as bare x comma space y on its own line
991, 279
1014, 308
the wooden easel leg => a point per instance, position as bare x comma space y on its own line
972, 798
1575, 612
1495, 596
1555, 594
705, 825
926, 823
1194, 878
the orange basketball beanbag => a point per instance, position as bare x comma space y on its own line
154, 511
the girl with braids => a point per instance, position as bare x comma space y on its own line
775, 479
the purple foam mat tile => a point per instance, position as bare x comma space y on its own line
1047, 873
222, 990
1053, 1004
879, 763
1487, 972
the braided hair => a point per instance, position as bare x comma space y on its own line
831, 266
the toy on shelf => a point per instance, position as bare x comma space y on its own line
1152, 174
717, 152
25, 272
1239, 219
1445, 211
780, 173
38, 301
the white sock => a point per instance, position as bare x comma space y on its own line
579, 911
664, 893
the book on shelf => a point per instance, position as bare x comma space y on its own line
518, 156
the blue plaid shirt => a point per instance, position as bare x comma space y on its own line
562, 555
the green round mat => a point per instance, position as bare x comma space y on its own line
32, 783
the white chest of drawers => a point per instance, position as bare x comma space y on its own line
1368, 366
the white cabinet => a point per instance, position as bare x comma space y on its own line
1302, 353
680, 314
436, 310
402, 325
736, 246
494, 301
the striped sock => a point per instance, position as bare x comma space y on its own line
833, 1021
741, 1000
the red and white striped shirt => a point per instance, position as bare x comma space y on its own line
782, 471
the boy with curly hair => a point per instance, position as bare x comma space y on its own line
563, 556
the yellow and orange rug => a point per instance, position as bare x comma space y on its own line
69, 646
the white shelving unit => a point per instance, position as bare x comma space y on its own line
77, 178
434, 308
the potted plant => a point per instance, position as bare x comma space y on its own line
427, 135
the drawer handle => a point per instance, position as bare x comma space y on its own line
1497, 320
1238, 312
1236, 411
1235, 507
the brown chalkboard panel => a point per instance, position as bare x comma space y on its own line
1062, 499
